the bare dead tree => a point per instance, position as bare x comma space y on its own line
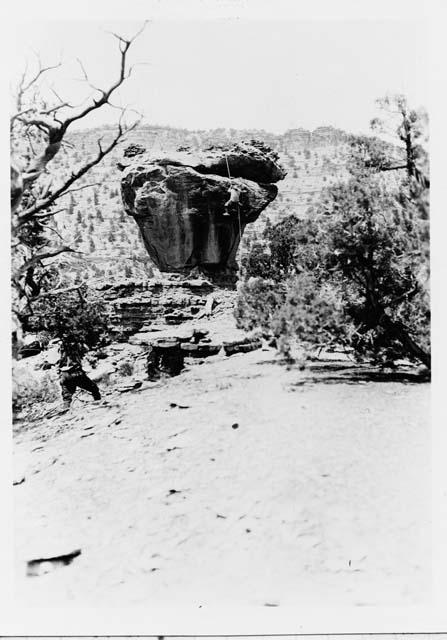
409, 125
41, 130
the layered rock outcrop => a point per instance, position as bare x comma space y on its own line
178, 202
176, 319
155, 304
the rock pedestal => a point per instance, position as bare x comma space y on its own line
178, 202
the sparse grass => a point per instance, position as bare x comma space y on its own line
125, 368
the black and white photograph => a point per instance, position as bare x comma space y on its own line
220, 318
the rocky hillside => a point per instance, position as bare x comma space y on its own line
108, 241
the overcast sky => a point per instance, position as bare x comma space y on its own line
239, 73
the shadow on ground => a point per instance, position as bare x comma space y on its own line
333, 373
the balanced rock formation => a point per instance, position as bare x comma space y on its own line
178, 203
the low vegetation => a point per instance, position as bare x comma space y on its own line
78, 318
355, 274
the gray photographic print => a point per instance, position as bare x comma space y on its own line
220, 276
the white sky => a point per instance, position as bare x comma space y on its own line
239, 73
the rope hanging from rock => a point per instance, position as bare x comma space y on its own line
238, 210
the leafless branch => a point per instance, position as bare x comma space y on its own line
53, 230
85, 77
56, 292
84, 72
69, 145
28, 214
24, 86
19, 114
30, 142
42, 216
40, 72
55, 129
399, 166
38, 257
57, 107
124, 46
21, 84
53, 90
86, 186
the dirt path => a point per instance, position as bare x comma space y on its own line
320, 495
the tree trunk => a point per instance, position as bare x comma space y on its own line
399, 331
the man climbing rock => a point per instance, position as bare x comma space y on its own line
233, 200
72, 375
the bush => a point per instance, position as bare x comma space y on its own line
257, 303
30, 387
353, 276
288, 248
311, 316
125, 368
297, 314
78, 318
257, 263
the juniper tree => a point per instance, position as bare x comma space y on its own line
356, 273
77, 318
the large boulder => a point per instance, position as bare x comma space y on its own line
178, 203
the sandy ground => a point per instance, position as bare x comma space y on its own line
321, 495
